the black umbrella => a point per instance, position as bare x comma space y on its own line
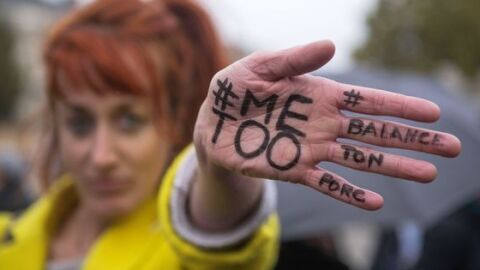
304, 212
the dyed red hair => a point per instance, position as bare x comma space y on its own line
166, 50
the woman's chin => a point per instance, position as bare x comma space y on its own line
110, 208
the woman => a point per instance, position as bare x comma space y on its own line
124, 82
125, 79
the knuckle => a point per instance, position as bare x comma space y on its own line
289, 62
398, 167
330, 152
256, 60
342, 126
403, 106
339, 91
309, 178
378, 103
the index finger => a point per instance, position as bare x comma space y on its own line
379, 102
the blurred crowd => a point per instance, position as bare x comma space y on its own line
14, 194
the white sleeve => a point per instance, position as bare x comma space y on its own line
214, 240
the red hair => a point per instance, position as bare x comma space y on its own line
167, 50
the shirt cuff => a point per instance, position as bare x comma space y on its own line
213, 240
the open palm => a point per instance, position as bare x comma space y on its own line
265, 117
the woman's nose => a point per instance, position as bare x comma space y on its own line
103, 155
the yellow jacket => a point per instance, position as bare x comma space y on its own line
145, 239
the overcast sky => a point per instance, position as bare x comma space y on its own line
276, 24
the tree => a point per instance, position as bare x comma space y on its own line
9, 72
422, 35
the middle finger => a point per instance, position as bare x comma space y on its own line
391, 134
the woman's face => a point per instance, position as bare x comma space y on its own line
113, 149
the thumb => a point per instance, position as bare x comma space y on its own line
294, 61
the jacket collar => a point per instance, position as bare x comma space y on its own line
27, 238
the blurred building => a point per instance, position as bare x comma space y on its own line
30, 20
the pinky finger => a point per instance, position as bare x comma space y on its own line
340, 189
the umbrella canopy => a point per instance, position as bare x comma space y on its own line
304, 212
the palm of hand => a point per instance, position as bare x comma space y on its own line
272, 128
263, 117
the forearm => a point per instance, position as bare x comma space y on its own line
221, 199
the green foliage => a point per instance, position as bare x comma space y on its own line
9, 72
423, 34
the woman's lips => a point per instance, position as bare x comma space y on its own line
108, 185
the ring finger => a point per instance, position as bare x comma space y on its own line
365, 159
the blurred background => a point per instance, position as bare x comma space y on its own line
427, 48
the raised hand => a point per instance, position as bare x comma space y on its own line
264, 117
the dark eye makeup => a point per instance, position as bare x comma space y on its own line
80, 123
130, 122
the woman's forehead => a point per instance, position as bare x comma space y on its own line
103, 101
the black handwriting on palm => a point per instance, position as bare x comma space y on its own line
264, 117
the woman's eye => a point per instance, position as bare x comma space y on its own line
80, 125
129, 122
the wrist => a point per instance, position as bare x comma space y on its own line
181, 202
